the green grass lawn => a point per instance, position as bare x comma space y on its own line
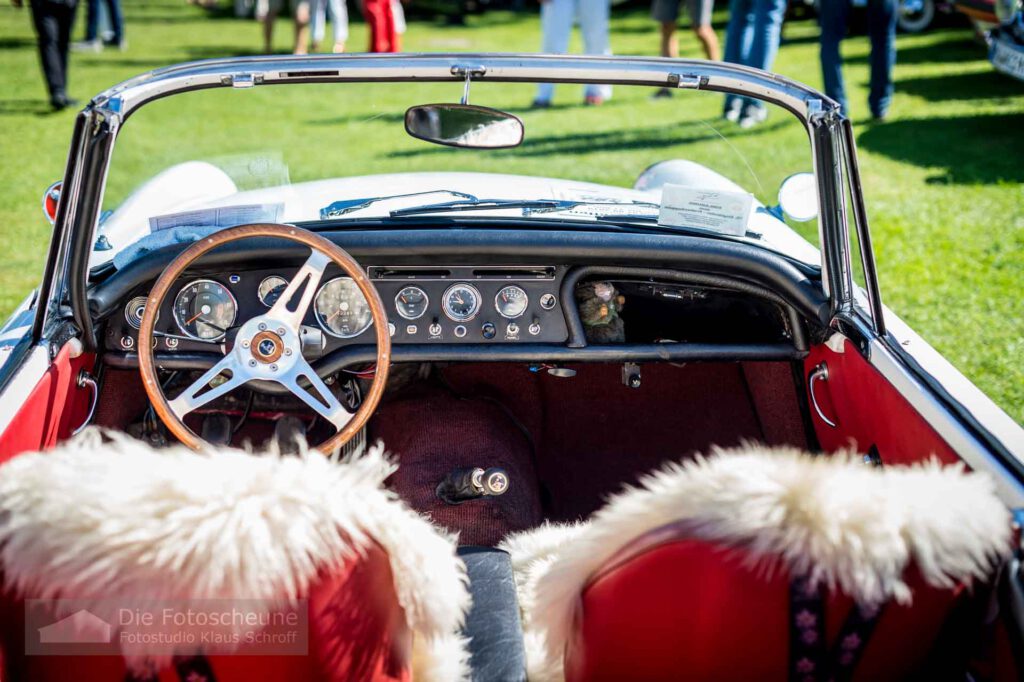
944, 176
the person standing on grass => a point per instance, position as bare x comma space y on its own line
752, 39
556, 21
882, 15
266, 14
380, 15
53, 20
93, 42
338, 12
666, 12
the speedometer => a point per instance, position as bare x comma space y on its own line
341, 309
205, 309
461, 302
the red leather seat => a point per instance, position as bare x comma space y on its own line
356, 631
671, 607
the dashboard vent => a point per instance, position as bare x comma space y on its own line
381, 272
519, 272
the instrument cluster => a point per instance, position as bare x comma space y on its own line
457, 304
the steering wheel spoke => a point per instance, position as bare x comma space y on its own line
320, 399
300, 290
200, 392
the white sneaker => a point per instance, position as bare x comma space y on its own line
752, 115
732, 114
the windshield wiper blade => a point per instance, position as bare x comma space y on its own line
340, 208
529, 206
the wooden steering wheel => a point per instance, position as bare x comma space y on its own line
267, 347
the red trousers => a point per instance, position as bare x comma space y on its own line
381, 19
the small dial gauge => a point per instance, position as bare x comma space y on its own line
205, 310
134, 309
461, 302
511, 302
271, 289
411, 303
341, 308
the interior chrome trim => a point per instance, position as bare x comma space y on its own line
819, 372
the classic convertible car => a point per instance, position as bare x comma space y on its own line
324, 382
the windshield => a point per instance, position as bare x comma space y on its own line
334, 154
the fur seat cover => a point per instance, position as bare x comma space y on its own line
107, 516
833, 519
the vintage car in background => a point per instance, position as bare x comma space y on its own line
254, 254
1001, 24
915, 16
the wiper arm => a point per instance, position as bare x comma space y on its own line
340, 208
529, 206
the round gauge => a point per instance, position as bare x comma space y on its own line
133, 311
411, 303
341, 308
271, 289
205, 310
511, 302
461, 302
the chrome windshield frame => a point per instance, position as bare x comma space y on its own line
88, 162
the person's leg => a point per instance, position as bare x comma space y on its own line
594, 27
738, 37
882, 32
47, 38
317, 23
301, 27
768, 15
666, 13
92, 20
338, 10
556, 25
65, 23
116, 20
700, 19
266, 14
832, 17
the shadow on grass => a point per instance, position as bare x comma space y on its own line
683, 133
21, 107
965, 149
950, 46
969, 86
145, 64
16, 43
218, 51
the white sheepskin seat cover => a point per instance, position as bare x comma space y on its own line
833, 519
106, 516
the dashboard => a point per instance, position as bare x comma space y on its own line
433, 304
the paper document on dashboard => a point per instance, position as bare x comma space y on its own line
221, 216
716, 210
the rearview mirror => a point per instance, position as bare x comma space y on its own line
464, 125
798, 197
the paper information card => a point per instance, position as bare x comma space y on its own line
716, 210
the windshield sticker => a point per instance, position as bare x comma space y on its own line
717, 210
222, 216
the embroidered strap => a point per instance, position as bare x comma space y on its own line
807, 659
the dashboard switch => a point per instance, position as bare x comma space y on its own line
488, 330
534, 327
434, 329
460, 331
512, 329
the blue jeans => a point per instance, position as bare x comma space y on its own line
752, 37
92, 19
882, 34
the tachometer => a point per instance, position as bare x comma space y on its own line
205, 309
271, 289
511, 302
341, 308
461, 302
411, 303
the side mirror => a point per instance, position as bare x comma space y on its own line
798, 197
464, 125
50, 200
